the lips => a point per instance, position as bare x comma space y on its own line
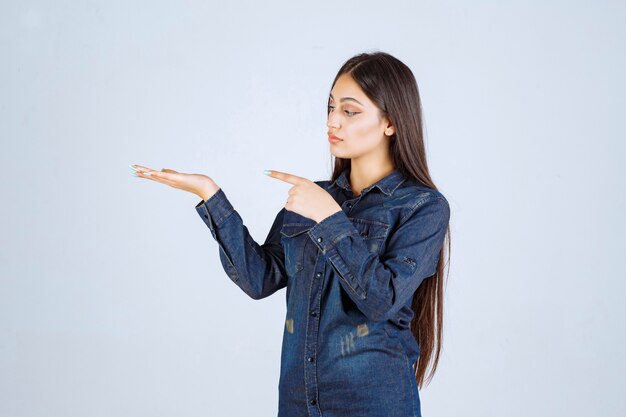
333, 137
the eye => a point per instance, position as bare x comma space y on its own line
349, 113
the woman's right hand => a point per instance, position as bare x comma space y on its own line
198, 184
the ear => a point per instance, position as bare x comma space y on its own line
390, 129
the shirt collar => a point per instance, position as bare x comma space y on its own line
387, 184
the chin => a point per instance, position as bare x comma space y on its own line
343, 155
349, 153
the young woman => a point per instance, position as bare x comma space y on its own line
360, 255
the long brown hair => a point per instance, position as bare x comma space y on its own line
390, 84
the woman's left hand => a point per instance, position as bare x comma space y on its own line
307, 198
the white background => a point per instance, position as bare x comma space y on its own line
112, 298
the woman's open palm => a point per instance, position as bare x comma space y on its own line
198, 184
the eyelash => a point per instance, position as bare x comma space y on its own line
351, 113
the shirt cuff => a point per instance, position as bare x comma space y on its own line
331, 230
215, 210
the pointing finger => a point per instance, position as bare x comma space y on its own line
290, 178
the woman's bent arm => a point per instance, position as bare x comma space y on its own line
259, 270
381, 285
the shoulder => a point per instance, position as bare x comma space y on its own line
416, 197
415, 193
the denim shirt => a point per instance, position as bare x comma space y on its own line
347, 348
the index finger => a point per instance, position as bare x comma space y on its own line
140, 168
290, 178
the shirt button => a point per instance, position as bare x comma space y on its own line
319, 274
349, 205
314, 313
311, 358
312, 402
319, 239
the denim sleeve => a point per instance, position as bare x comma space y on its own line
381, 284
259, 270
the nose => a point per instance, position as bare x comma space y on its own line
332, 121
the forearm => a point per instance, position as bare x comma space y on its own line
257, 269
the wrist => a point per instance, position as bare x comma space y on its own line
329, 214
209, 192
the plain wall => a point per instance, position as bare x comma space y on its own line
113, 301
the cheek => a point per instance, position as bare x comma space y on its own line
360, 138
362, 143
357, 146
368, 129
365, 137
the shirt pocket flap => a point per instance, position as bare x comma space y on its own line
370, 229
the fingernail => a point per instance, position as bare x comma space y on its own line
133, 168
147, 173
266, 171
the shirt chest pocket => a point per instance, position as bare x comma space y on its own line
295, 240
373, 233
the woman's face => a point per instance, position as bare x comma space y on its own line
356, 120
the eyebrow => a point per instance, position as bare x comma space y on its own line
348, 98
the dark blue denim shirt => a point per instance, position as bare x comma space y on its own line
347, 348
